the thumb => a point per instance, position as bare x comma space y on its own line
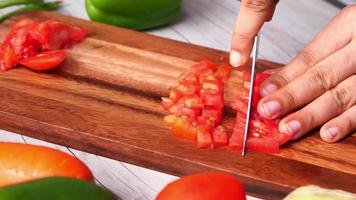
253, 14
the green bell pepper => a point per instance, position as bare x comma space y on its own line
55, 189
134, 14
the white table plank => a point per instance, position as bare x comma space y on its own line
208, 23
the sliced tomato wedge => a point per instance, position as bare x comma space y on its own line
44, 61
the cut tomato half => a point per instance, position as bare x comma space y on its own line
263, 133
44, 61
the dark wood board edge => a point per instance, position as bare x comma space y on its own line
156, 160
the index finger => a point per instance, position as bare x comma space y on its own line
253, 14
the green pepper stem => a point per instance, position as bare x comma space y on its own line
32, 7
7, 3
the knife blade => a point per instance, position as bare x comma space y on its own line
250, 94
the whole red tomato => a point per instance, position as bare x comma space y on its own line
204, 186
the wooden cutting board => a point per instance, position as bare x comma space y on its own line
105, 99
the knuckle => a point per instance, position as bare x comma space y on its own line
308, 58
348, 123
258, 6
349, 11
280, 79
289, 99
321, 78
311, 117
342, 98
244, 35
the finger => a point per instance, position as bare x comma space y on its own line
322, 46
339, 127
317, 80
252, 15
331, 104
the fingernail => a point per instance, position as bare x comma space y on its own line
330, 133
268, 89
235, 58
291, 128
270, 109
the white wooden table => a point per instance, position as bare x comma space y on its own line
208, 23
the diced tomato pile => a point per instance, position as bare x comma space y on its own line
196, 105
37, 45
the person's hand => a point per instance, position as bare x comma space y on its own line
252, 15
318, 87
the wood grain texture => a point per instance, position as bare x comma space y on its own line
105, 100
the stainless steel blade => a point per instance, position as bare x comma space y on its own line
250, 94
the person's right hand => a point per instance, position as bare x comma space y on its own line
252, 15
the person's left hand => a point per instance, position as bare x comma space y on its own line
320, 83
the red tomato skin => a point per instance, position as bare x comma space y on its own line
44, 61
204, 186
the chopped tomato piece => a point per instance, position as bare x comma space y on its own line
167, 103
208, 123
175, 95
240, 105
193, 101
223, 72
8, 57
220, 136
170, 119
204, 139
188, 77
44, 61
213, 114
211, 85
203, 68
200, 67
262, 145
187, 89
212, 100
190, 114
183, 129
